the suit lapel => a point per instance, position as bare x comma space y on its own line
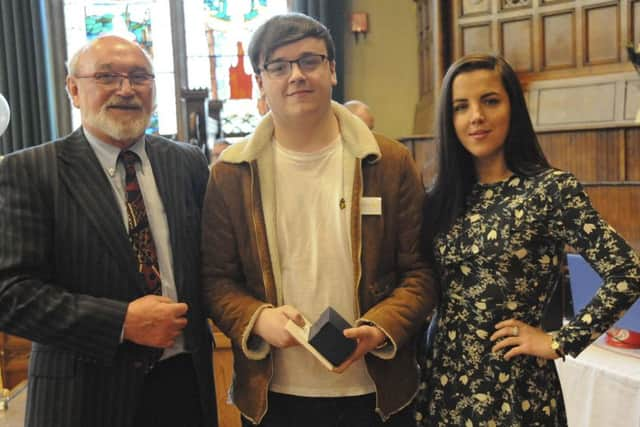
86, 181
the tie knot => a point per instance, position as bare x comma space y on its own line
129, 158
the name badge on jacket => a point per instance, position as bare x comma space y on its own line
371, 206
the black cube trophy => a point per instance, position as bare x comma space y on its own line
324, 338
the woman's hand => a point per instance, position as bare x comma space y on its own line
521, 339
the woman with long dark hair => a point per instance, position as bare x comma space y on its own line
497, 220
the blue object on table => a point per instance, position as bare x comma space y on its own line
585, 282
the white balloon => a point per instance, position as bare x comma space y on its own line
5, 114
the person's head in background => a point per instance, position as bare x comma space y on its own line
483, 124
361, 110
293, 58
218, 147
111, 81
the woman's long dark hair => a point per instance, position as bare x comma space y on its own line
456, 172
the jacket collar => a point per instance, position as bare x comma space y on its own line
357, 139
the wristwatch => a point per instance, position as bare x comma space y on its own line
556, 346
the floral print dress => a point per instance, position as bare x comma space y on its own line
500, 260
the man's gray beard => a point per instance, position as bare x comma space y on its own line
119, 130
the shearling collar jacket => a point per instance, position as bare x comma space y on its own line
240, 266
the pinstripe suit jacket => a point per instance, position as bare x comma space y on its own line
67, 272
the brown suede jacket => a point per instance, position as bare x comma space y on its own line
240, 269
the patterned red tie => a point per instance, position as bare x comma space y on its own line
139, 230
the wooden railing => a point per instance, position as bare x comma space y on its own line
619, 205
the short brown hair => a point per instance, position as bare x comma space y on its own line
284, 29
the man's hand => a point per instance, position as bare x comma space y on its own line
270, 325
154, 321
368, 338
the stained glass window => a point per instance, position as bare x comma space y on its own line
145, 21
217, 35
217, 58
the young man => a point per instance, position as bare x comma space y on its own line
314, 211
99, 258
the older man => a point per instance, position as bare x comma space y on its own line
99, 258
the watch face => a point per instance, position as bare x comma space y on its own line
555, 345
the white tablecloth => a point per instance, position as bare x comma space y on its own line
601, 387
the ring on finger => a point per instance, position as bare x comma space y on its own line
515, 331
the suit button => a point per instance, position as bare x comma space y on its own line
138, 365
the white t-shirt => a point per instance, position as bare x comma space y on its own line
314, 248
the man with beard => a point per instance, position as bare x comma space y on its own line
99, 258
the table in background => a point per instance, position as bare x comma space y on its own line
601, 387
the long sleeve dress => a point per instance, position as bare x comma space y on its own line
500, 260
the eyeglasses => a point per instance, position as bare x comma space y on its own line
113, 80
282, 68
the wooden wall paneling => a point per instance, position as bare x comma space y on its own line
426, 161
570, 38
455, 44
618, 204
631, 99
531, 99
596, 155
423, 24
621, 144
423, 149
562, 106
470, 20
537, 48
625, 35
509, 5
591, 155
516, 42
474, 7
578, 31
555, 147
601, 32
434, 51
634, 23
632, 154
558, 40
608, 153
547, 2
476, 38
599, 101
